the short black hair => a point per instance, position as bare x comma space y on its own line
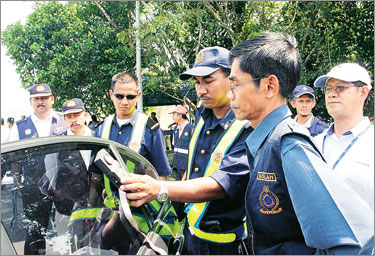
184, 116
226, 71
123, 77
271, 53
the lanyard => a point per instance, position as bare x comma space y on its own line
348, 147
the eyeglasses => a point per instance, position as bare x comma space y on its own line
232, 86
120, 96
337, 88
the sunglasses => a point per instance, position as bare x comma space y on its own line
120, 96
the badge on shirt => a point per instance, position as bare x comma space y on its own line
265, 176
217, 156
27, 131
269, 202
186, 133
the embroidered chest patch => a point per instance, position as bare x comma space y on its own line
265, 176
269, 202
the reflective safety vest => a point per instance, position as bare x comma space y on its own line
196, 211
171, 225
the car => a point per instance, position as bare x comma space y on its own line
69, 172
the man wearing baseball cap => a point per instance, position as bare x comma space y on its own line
218, 170
182, 133
75, 118
43, 122
348, 144
304, 101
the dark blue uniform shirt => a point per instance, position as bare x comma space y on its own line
152, 146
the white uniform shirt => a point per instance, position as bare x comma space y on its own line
357, 164
86, 154
43, 127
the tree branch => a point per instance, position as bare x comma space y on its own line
107, 16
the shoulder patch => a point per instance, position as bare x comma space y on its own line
152, 124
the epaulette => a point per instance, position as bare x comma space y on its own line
152, 124
20, 121
97, 125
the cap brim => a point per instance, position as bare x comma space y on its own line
40, 95
198, 71
321, 81
70, 111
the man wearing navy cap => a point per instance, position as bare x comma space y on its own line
217, 171
304, 101
75, 118
348, 144
43, 122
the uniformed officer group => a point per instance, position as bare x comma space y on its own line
250, 179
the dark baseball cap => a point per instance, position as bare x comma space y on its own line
208, 61
73, 106
10, 120
303, 89
39, 90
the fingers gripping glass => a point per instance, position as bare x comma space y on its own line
232, 86
337, 88
120, 96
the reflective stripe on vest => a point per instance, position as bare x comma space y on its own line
197, 210
136, 138
89, 213
181, 151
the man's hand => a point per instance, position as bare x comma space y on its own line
140, 189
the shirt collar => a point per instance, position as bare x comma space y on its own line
35, 118
308, 122
358, 128
207, 114
181, 128
131, 121
87, 132
256, 138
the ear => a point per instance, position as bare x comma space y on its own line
272, 86
292, 103
53, 99
314, 103
364, 93
110, 93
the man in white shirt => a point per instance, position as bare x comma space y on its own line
43, 122
348, 144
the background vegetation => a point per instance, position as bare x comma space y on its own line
76, 47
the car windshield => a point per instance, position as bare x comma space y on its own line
53, 196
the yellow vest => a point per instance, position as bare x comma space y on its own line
172, 227
197, 210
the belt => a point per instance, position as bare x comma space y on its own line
181, 150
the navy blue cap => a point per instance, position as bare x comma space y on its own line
10, 120
208, 61
39, 90
73, 106
303, 89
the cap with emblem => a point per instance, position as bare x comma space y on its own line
39, 90
303, 89
179, 109
347, 72
207, 62
73, 106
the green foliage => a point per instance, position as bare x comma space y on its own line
77, 47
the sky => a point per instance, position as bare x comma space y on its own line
14, 99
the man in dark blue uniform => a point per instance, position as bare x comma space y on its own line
131, 127
304, 101
43, 122
295, 203
217, 171
182, 133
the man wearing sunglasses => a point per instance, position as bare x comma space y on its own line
217, 171
348, 144
132, 128
295, 203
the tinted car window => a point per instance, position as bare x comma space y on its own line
55, 180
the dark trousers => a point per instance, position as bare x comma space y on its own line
37, 211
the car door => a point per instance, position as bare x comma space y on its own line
63, 172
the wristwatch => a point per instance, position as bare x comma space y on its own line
163, 193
